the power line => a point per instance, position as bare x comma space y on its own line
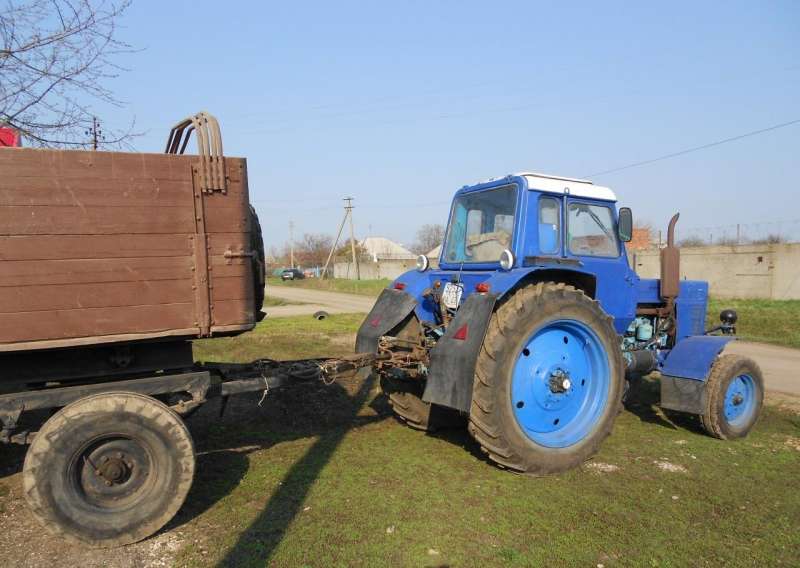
695, 149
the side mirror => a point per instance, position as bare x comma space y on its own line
625, 224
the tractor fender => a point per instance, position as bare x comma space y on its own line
391, 308
685, 370
691, 358
453, 358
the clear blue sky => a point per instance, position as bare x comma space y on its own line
401, 103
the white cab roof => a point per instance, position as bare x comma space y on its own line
572, 186
561, 185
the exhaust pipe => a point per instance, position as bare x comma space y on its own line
670, 264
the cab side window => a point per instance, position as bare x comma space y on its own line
549, 225
590, 230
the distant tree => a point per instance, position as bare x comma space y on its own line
55, 59
773, 239
313, 249
692, 242
428, 238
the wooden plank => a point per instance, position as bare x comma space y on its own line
233, 288
96, 295
30, 273
62, 324
232, 312
82, 192
55, 247
58, 220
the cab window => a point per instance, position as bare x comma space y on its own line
590, 230
549, 225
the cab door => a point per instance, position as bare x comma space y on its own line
590, 236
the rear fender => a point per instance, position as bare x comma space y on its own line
391, 308
685, 370
453, 358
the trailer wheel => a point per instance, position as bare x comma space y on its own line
109, 469
734, 396
405, 398
548, 380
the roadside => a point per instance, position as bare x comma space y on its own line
299, 301
361, 287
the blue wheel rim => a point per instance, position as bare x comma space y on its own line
560, 384
740, 400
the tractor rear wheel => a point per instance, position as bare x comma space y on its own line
548, 380
109, 469
405, 398
734, 396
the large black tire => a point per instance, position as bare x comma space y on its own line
405, 398
109, 469
492, 421
723, 372
258, 262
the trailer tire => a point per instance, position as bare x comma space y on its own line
405, 398
734, 397
516, 416
109, 469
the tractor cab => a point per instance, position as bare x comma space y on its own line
533, 218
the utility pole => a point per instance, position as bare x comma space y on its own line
336, 242
95, 133
291, 243
349, 209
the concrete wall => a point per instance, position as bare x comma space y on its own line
371, 270
742, 271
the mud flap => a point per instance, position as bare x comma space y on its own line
391, 308
685, 370
452, 367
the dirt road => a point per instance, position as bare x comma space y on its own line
781, 365
310, 301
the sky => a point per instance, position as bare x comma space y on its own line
399, 104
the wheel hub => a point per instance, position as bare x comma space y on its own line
559, 381
115, 470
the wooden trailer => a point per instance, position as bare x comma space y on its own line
111, 263
110, 247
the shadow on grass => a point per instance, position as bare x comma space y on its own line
257, 544
643, 401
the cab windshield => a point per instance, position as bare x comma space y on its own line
481, 225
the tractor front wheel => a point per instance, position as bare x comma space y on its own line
734, 396
548, 380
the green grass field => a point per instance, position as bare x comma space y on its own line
324, 476
768, 321
362, 287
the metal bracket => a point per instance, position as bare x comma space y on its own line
211, 168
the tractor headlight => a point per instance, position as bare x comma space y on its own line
422, 263
506, 259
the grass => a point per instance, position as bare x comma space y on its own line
271, 301
361, 287
767, 321
323, 476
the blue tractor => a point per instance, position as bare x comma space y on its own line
534, 323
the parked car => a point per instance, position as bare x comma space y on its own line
292, 274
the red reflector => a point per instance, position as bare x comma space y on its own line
482, 287
461, 333
399, 286
376, 321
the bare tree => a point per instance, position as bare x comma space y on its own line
313, 249
55, 56
428, 238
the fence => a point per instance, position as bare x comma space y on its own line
770, 271
370, 269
